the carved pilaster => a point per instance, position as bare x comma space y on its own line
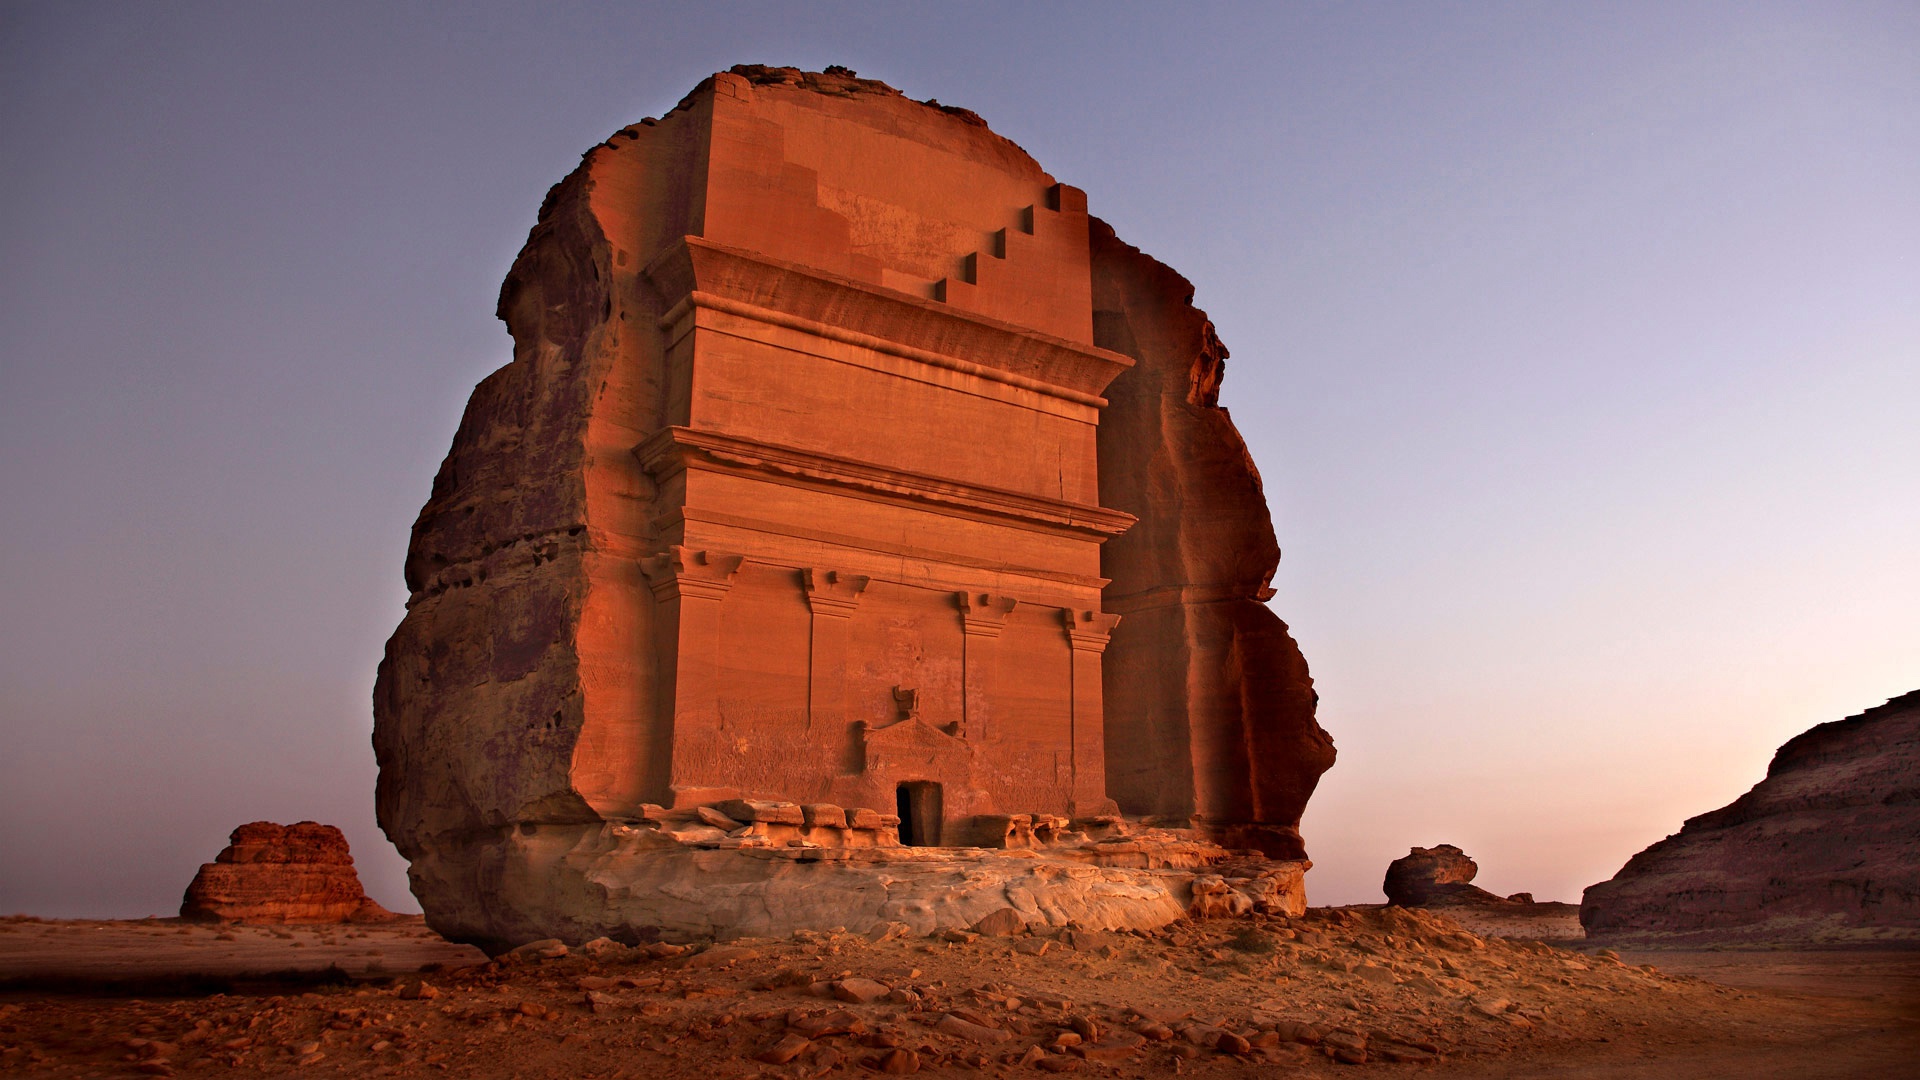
984, 614
689, 585
982, 617
830, 592
682, 571
1088, 631
832, 597
1087, 636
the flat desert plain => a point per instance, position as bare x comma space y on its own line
1337, 992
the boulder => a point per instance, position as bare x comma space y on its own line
1436, 875
1824, 850
269, 873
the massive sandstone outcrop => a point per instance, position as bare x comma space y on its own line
1825, 849
1201, 675
844, 460
269, 873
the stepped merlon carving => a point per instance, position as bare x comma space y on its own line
1016, 277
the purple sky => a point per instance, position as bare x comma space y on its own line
1579, 346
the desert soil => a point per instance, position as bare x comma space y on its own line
1358, 991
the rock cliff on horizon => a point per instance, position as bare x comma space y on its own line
1826, 849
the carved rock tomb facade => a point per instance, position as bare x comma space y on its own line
798, 491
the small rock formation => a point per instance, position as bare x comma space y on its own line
268, 873
844, 461
1439, 877
1825, 849
1435, 876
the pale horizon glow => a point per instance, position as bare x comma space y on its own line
1579, 349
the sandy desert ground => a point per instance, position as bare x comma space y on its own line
1358, 991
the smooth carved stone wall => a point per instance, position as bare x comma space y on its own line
1826, 849
797, 488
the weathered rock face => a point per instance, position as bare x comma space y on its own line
1425, 875
270, 873
580, 882
823, 405
1825, 849
1210, 710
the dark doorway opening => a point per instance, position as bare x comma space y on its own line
918, 804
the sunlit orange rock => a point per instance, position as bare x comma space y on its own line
843, 461
268, 873
1209, 706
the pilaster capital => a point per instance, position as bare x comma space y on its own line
830, 592
1088, 631
681, 571
984, 614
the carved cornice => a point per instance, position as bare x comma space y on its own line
1088, 631
908, 736
946, 570
832, 593
700, 273
984, 614
681, 572
675, 448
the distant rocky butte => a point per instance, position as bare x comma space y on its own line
850, 487
1826, 849
270, 873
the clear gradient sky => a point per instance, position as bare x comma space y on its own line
1579, 346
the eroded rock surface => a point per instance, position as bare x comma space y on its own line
270, 873
1426, 875
1210, 708
578, 883
1825, 849
823, 405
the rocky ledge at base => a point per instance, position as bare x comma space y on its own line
679, 879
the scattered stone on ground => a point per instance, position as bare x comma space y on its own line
1310, 995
